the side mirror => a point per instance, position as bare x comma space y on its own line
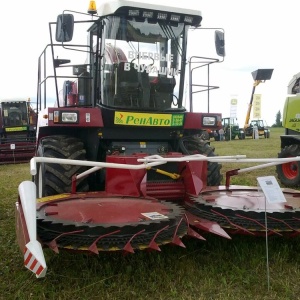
64, 28
220, 42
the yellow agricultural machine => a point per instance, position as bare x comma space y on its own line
289, 173
258, 125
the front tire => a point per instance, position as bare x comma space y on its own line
242, 136
289, 173
191, 145
53, 179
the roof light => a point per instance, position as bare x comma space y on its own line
148, 14
188, 19
92, 10
133, 12
162, 16
175, 18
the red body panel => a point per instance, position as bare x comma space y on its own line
124, 181
134, 182
88, 117
22, 153
194, 120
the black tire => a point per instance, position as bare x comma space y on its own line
242, 136
205, 136
53, 179
191, 145
289, 173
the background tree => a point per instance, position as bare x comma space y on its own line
278, 122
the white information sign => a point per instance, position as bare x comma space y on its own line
154, 216
271, 189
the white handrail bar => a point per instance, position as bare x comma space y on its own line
155, 160
96, 164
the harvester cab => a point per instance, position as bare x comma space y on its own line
289, 173
125, 90
17, 131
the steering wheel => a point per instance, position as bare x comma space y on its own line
143, 60
15, 118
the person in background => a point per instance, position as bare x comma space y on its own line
221, 134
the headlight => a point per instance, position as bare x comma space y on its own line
69, 117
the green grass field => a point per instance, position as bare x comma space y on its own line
252, 148
213, 269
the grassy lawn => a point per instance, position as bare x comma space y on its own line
252, 148
213, 269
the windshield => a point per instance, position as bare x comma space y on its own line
15, 113
141, 65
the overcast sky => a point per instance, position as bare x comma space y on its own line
259, 34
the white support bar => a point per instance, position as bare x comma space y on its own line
98, 165
156, 160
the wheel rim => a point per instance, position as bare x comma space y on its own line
290, 170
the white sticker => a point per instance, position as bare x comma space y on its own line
154, 216
88, 117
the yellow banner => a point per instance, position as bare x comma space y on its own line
16, 129
144, 119
256, 106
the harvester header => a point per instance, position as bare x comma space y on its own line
17, 130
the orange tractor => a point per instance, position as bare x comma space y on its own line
120, 164
17, 131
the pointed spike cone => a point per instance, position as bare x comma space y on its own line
213, 227
195, 234
206, 225
93, 248
128, 248
34, 259
177, 241
154, 246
